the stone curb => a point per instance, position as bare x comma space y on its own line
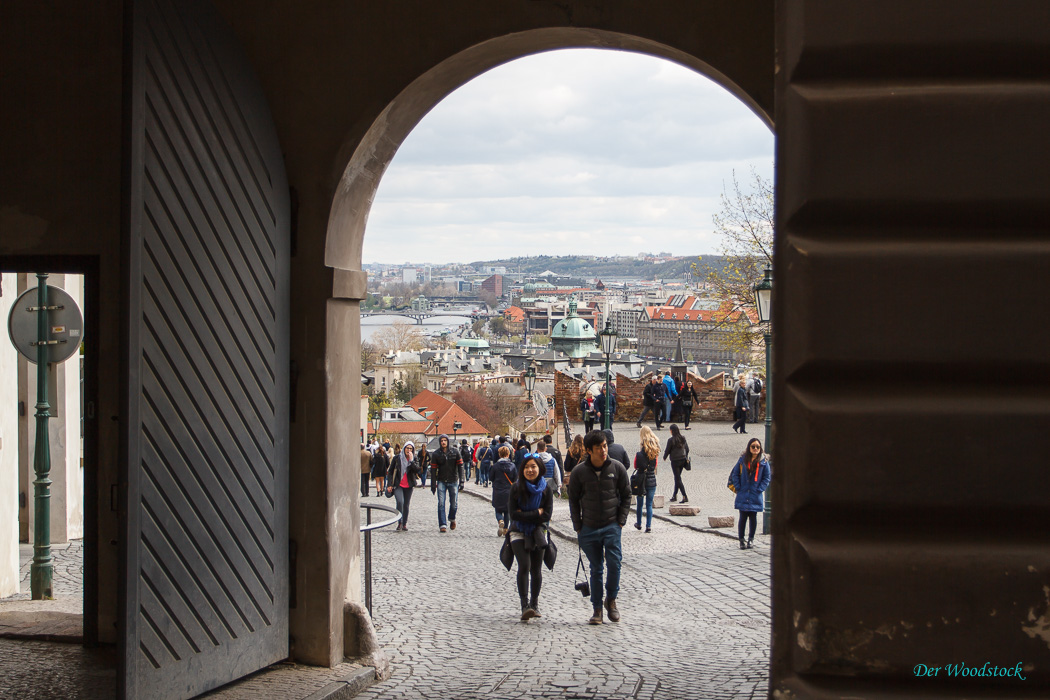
344, 688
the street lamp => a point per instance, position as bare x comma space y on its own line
608, 338
377, 420
530, 379
455, 429
763, 300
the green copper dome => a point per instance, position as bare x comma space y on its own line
573, 335
473, 343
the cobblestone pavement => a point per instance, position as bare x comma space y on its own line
696, 619
695, 608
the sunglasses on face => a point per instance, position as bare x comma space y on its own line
756, 446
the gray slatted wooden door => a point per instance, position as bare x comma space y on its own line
206, 435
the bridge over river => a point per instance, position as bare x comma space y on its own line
420, 317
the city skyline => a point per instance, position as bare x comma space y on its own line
563, 153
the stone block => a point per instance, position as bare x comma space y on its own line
720, 520
658, 501
679, 509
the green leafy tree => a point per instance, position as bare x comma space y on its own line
745, 226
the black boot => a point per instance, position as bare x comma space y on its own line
743, 545
527, 613
535, 605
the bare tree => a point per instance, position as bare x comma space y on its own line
399, 336
745, 225
480, 407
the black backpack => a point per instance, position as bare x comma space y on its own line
758, 385
464, 452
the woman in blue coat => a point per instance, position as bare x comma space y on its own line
750, 479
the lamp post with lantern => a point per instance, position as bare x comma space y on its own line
377, 420
763, 300
608, 340
530, 380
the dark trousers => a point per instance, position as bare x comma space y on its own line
646, 410
687, 413
365, 478
741, 420
588, 424
678, 485
752, 519
403, 497
530, 569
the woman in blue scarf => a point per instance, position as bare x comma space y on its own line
530, 503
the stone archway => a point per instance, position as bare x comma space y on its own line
360, 179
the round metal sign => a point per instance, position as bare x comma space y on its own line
65, 325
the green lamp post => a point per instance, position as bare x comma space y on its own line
608, 340
530, 380
763, 300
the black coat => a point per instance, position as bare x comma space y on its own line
518, 515
642, 461
502, 476
448, 465
393, 474
599, 497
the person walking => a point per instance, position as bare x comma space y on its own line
424, 464
677, 451
616, 450
446, 481
599, 503
400, 480
605, 404
531, 502
379, 466
467, 455
486, 457
645, 463
750, 479
649, 402
588, 412
573, 456
670, 392
366, 470
754, 393
740, 405
551, 469
689, 399
504, 474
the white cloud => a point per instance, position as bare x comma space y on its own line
567, 152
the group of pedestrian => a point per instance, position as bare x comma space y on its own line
595, 409
525, 479
746, 398
667, 397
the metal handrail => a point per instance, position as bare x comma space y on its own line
367, 529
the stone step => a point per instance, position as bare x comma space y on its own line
679, 509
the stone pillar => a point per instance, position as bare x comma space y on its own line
911, 189
9, 520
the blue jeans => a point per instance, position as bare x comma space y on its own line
485, 469
649, 494
667, 410
466, 469
602, 546
503, 515
452, 488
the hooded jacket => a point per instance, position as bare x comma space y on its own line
393, 473
447, 463
749, 489
616, 450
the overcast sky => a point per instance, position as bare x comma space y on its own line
566, 153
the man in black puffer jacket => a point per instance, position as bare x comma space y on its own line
448, 479
599, 503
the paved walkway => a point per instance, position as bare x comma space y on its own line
695, 616
695, 611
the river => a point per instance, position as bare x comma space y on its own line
371, 324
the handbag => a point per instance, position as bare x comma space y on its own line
636, 483
688, 464
551, 554
506, 556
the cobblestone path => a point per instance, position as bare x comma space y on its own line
695, 610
